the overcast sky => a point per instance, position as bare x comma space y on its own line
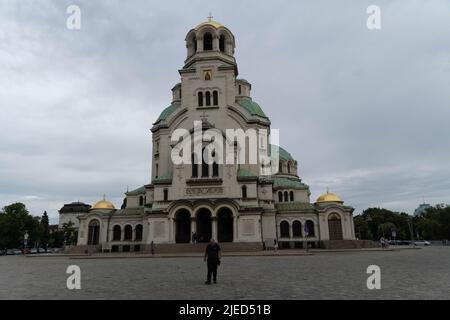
364, 112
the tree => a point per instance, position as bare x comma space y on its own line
15, 221
69, 233
45, 236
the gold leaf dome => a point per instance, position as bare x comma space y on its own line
329, 197
103, 204
210, 22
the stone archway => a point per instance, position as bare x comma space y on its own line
335, 227
182, 226
204, 225
94, 233
225, 225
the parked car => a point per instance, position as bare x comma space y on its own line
17, 252
422, 243
33, 250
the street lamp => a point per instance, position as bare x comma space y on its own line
25, 240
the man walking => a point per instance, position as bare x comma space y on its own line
212, 256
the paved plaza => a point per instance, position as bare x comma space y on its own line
405, 274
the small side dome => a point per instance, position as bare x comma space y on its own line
103, 205
329, 197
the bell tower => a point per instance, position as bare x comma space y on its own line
209, 73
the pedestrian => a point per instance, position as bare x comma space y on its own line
212, 257
152, 248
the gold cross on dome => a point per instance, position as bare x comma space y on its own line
210, 17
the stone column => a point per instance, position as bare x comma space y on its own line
214, 227
171, 228
200, 44
193, 226
235, 229
215, 43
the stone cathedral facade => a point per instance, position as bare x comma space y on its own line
227, 202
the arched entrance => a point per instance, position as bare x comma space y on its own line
335, 227
94, 233
225, 225
204, 225
183, 226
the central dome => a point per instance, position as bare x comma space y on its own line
103, 204
210, 22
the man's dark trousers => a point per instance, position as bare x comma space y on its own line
212, 269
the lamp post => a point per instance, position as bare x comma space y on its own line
25, 241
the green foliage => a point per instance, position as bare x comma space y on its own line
433, 224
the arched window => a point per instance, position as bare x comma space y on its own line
240, 89
194, 166
208, 98
117, 233
215, 98
138, 236
244, 192
205, 166
222, 43
156, 170
194, 42
207, 42
291, 196
280, 167
286, 196
310, 228
166, 194
297, 229
289, 167
280, 196
284, 229
200, 99
128, 233
141, 201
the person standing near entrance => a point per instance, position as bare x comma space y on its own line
212, 256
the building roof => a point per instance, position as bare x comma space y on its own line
421, 208
75, 207
103, 205
166, 113
283, 154
136, 192
294, 206
288, 183
210, 22
252, 107
329, 197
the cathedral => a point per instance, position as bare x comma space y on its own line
198, 200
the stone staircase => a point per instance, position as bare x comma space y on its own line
200, 247
83, 249
347, 244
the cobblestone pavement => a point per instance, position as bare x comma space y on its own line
406, 274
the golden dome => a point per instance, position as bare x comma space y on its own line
210, 22
329, 197
103, 204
